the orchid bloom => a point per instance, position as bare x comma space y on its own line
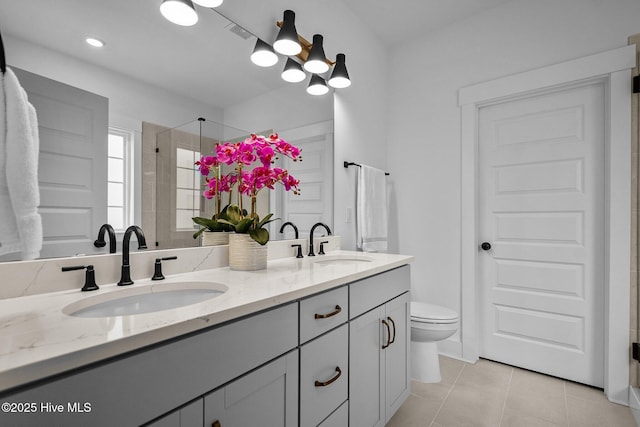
243, 154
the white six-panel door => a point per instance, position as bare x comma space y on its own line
541, 198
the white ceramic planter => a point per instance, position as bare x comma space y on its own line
246, 254
215, 238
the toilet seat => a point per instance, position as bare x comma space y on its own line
430, 313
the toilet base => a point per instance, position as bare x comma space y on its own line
425, 364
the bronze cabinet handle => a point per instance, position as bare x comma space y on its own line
394, 330
384, 322
331, 380
337, 310
216, 423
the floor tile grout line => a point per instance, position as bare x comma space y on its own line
447, 396
504, 404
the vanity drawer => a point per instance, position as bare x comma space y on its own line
323, 312
324, 370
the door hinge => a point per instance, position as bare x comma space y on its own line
635, 351
157, 150
636, 84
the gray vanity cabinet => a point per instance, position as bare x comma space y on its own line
379, 340
191, 415
267, 396
333, 359
140, 387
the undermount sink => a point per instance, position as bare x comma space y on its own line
340, 259
145, 299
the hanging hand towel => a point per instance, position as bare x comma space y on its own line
20, 222
371, 209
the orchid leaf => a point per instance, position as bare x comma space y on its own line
244, 225
234, 214
260, 235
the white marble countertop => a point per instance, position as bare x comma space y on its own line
38, 340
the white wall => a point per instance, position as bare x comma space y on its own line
424, 118
284, 108
128, 97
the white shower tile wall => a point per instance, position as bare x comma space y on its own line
24, 278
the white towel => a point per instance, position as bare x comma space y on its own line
20, 223
371, 210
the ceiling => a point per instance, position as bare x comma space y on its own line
143, 45
397, 21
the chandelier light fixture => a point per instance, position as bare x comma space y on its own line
293, 72
316, 61
317, 85
340, 77
183, 12
303, 58
263, 54
287, 42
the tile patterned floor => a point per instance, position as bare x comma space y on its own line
495, 395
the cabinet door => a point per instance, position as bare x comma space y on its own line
340, 418
267, 396
190, 415
366, 368
398, 381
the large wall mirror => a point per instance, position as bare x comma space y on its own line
151, 77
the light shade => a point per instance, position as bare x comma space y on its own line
317, 86
317, 61
208, 3
263, 55
180, 12
287, 41
339, 77
293, 72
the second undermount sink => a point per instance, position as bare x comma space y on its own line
145, 299
340, 259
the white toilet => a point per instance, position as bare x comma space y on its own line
429, 324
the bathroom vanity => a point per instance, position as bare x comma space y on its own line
322, 341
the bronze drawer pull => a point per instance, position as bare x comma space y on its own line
216, 423
329, 381
337, 310
394, 330
384, 322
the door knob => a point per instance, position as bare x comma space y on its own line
485, 246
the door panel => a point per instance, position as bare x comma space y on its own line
541, 197
72, 166
314, 203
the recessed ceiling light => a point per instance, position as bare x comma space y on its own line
94, 42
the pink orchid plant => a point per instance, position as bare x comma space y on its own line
256, 149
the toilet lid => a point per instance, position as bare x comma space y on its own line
425, 311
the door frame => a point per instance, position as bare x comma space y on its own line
613, 68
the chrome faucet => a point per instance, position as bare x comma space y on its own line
100, 242
316, 225
295, 229
125, 278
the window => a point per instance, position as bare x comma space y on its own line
120, 181
187, 188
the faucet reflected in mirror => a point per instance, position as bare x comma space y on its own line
101, 243
295, 229
313, 229
125, 278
